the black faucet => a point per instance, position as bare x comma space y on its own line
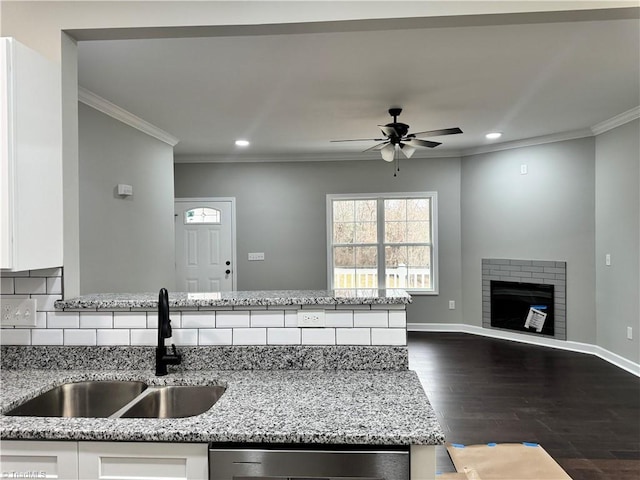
163, 358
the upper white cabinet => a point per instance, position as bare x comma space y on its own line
31, 159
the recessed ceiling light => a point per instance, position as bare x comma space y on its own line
493, 135
242, 143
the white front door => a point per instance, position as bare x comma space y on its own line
205, 245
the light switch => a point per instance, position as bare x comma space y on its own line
256, 256
607, 259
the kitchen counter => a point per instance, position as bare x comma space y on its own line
105, 301
259, 406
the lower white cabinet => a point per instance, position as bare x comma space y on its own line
103, 460
36, 459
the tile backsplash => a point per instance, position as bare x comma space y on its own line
344, 325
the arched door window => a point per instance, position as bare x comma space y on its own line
202, 215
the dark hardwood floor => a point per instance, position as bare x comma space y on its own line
584, 411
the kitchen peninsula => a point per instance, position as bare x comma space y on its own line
343, 387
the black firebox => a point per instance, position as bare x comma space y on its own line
526, 307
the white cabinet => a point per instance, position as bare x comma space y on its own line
31, 159
138, 461
36, 459
103, 460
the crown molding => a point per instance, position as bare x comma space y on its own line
618, 120
105, 106
304, 157
530, 142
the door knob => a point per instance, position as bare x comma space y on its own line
227, 272
227, 262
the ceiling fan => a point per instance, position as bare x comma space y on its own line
397, 137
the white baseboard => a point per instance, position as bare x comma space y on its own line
613, 358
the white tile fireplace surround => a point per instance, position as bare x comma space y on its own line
547, 272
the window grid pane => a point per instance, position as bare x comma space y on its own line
407, 254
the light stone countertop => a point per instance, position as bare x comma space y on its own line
238, 298
259, 406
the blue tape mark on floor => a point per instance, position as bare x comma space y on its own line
491, 444
529, 444
457, 445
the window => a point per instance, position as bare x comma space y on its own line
382, 241
203, 215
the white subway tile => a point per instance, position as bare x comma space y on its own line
46, 337
144, 337
198, 319
46, 302
373, 318
392, 306
398, 319
339, 318
129, 320
249, 336
96, 320
23, 273
79, 337
318, 336
63, 320
291, 318
271, 318
152, 320
353, 336
176, 319
112, 337
41, 320
54, 285
215, 336
184, 336
6, 286
30, 285
232, 319
388, 336
15, 336
46, 272
283, 336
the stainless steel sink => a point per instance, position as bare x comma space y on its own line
81, 399
175, 402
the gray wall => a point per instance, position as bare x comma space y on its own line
618, 233
126, 244
281, 210
547, 214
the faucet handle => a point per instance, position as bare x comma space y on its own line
173, 349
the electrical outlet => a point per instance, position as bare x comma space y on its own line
452, 304
19, 311
629, 333
311, 318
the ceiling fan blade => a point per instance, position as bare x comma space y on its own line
388, 131
442, 131
415, 142
388, 152
360, 140
407, 150
378, 146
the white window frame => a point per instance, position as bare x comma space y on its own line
433, 197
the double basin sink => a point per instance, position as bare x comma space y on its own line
120, 399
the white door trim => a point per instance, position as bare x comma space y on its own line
234, 258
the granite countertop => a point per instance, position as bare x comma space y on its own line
260, 406
239, 298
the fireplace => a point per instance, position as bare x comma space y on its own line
526, 307
547, 277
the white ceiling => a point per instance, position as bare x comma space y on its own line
290, 92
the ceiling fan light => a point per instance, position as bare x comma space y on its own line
493, 135
388, 152
407, 150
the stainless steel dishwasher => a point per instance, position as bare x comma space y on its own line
318, 462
